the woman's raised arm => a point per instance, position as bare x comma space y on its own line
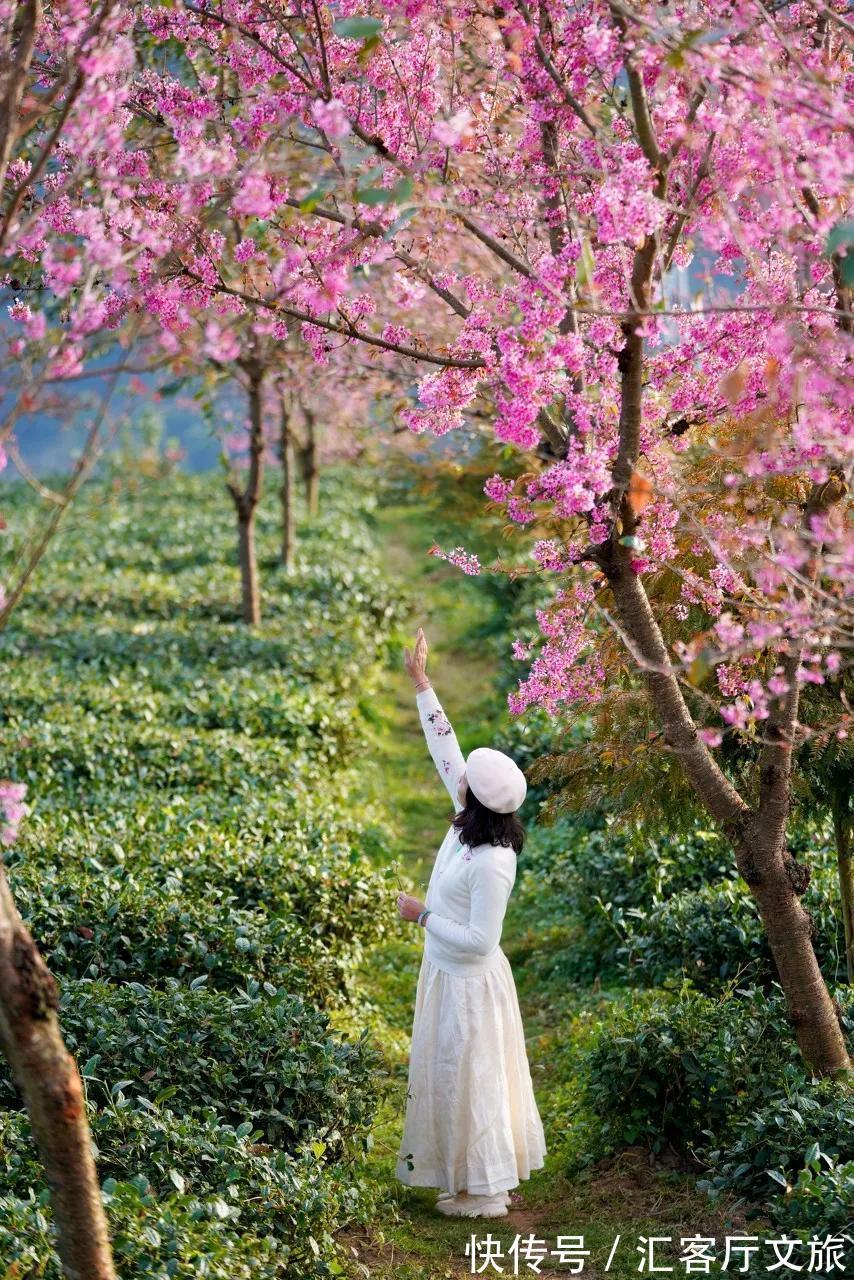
441, 739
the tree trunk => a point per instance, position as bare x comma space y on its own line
14, 79
246, 500
249, 592
758, 837
812, 1012
50, 1083
845, 856
288, 496
311, 468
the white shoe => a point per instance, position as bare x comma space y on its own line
466, 1206
449, 1195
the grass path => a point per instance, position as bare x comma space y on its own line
411, 1241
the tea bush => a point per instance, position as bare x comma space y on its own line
176, 1238
199, 871
120, 926
671, 1070
654, 911
721, 1082
267, 1059
198, 1172
799, 1140
819, 1201
714, 933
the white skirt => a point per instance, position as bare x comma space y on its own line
471, 1117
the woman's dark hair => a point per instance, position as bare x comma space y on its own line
479, 825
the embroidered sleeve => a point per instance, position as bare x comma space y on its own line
491, 878
441, 742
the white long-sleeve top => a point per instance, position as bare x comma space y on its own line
469, 888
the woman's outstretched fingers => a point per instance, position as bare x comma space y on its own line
415, 659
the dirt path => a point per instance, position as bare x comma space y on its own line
626, 1199
420, 1243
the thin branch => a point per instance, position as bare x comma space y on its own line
640, 103
682, 217
500, 250
349, 330
49, 495
377, 230
545, 58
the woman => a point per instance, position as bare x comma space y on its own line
472, 1126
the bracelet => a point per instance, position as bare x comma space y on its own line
419, 688
422, 915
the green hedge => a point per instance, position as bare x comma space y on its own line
285, 907
196, 1154
715, 933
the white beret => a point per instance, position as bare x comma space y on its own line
495, 779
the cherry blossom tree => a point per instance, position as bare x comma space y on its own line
510, 194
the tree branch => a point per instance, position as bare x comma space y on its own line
545, 58
349, 330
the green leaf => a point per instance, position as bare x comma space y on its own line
401, 221
312, 200
177, 1180
401, 191
586, 264
367, 50
357, 28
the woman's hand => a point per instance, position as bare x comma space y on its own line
408, 907
416, 661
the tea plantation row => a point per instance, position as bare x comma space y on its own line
198, 874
